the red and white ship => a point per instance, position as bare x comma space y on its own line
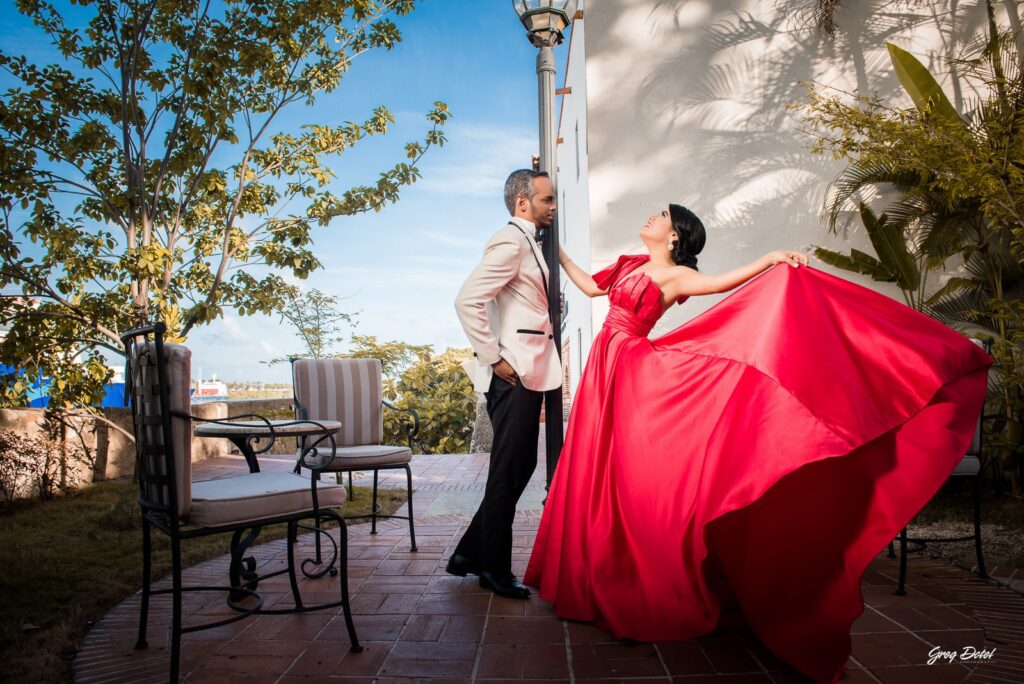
208, 390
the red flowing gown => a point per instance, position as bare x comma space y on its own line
756, 458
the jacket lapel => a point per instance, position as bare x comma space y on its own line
538, 256
540, 259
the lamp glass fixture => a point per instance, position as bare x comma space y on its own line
541, 15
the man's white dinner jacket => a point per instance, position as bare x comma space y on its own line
503, 308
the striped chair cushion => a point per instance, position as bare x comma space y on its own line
234, 500
360, 457
179, 374
974, 449
346, 390
968, 466
178, 360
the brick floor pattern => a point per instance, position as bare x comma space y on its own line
419, 624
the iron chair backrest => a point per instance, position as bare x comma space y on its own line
971, 463
977, 441
157, 381
974, 449
346, 390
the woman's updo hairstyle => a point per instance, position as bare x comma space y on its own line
690, 233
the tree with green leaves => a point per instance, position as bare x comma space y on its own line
146, 174
956, 201
315, 317
434, 385
395, 357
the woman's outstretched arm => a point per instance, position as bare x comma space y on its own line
689, 283
583, 280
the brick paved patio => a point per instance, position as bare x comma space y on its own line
418, 623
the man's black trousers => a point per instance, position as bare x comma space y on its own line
515, 417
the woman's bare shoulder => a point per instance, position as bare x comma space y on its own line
670, 274
674, 279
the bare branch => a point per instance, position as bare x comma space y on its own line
103, 419
172, 137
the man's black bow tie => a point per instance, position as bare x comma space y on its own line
540, 235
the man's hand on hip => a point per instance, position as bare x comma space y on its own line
505, 371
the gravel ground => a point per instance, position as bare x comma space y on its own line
1002, 546
951, 513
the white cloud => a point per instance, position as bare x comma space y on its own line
234, 348
233, 330
452, 240
403, 282
479, 159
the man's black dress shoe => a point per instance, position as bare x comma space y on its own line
507, 586
460, 566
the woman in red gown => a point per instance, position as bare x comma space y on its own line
756, 458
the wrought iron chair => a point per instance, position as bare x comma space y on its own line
158, 379
969, 466
351, 391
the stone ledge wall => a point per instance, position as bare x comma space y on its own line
111, 454
483, 432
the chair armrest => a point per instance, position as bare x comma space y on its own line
411, 426
311, 448
271, 438
307, 446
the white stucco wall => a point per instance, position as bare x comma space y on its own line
574, 202
687, 101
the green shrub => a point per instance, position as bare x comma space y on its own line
31, 465
441, 393
435, 386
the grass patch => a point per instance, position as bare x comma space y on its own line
66, 562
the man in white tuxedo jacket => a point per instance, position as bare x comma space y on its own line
503, 307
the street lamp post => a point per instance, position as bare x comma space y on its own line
545, 20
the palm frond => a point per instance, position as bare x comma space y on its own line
946, 233
891, 248
857, 178
962, 309
953, 286
857, 262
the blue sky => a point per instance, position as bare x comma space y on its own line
401, 268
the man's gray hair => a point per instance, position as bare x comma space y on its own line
520, 182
